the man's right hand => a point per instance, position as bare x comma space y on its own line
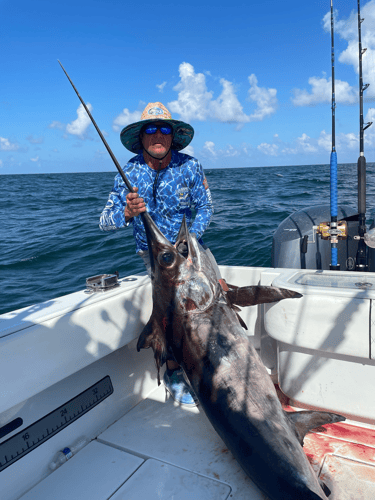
134, 205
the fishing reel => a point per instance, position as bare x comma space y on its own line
369, 238
333, 231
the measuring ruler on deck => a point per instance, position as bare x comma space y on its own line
43, 429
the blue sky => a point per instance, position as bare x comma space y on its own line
252, 78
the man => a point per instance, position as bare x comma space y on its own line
170, 184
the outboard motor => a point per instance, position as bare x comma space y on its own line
297, 245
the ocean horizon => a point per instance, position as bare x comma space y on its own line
51, 241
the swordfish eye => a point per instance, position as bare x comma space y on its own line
166, 258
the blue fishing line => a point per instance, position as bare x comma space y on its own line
334, 256
333, 200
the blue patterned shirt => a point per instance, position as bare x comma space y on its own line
179, 187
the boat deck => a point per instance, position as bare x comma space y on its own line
159, 450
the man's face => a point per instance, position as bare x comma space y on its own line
157, 144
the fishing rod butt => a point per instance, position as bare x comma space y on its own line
361, 168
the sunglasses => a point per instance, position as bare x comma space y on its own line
152, 129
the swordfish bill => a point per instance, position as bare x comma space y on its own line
194, 322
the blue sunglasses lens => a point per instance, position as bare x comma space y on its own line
164, 129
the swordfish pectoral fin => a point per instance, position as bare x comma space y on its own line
153, 336
303, 421
252, 295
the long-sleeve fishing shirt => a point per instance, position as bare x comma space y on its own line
169, 194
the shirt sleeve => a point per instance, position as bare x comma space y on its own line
202, 201
113, 216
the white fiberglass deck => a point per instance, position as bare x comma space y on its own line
159, 450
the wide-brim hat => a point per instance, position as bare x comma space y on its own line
183, 133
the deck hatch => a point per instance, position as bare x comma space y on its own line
355, 282
164, 481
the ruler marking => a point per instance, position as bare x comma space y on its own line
36, 429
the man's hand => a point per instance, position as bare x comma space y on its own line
134, 205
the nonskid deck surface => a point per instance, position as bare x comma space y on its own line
164, 451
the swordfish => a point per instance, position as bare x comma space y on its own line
194, 320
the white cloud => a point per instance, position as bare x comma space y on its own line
161, 86
305, 144
35, 140
125, 118
193, 96
265, 99
195, 101
1, 163
289, 151
79, 126
369, 133
348, 141
343, 141
35, 159
6, 145
348, 31
227, 108
325, 141
56, 124
231, 151
321, 91
210, 147
268, 149
370, 117
189, 150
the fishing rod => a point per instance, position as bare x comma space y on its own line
121, 172
361, 258
333, 164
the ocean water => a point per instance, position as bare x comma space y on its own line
50, 239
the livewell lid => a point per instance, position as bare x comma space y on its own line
319, 279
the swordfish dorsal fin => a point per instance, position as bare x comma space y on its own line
153, 336
252, 295
303, 421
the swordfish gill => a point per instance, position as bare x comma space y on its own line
195, 320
